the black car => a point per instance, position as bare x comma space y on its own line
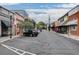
35, 33
30, 32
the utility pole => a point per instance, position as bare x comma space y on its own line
10, 26
49, 23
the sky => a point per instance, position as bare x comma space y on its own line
38, 5
42, 11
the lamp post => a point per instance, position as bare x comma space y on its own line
10, 26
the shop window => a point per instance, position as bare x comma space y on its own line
73, 28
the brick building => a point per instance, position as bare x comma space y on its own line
73, 21
69, 23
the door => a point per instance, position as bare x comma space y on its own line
4, 29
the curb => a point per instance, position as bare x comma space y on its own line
7, 39
68, 37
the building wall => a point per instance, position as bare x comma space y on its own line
74, 10
5, 17
63, 19
61, 24
56, 23
18, 19
75, 17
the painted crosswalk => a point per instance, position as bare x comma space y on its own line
17, 51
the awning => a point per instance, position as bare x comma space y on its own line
73, 22
7, 23
62, 24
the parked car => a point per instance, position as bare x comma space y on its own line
30, 32
35, 33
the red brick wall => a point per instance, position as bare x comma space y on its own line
78, 23
76, 16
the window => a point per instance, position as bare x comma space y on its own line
65, 18
73, 28
61, 20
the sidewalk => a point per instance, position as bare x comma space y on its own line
2, 39
70, 36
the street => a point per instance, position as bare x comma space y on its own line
46, 43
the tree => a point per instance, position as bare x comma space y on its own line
41, 25
27, 24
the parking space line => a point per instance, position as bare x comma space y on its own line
18, 51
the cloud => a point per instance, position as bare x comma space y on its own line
39, 1
40, 5
69, 5
44, 14
8, 3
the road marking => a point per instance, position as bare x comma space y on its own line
18, 51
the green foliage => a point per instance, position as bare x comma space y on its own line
41, 25
27, 24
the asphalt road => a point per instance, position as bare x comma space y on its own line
5, 51
46, 43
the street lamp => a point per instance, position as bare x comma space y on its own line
10, 26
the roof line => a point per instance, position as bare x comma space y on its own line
6, 9
19, 14
68, 12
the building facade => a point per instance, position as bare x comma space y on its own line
62, 21
56, 26
22, 13
5, 21
73, 21
69, 23
17, 20
59, 25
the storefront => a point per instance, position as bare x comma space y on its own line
17, 20
5, 21
73, 21
72, 27
4, 26
62, 21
